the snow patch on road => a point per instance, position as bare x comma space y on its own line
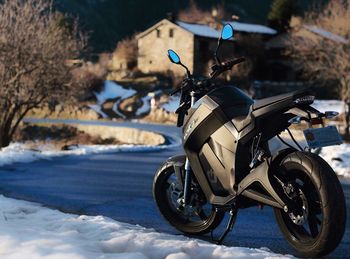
20, 153
29, 230
338, 157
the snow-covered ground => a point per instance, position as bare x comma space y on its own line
111, 90
97, 108
172, 104
329, 105
338, 157
29, 230
146, 105
20, 153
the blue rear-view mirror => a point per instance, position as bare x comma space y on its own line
173, 57
227, 32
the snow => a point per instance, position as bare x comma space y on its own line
20, 153
29, 230
329, 105
326, 34
98, 110
172, 104
146, 105
115, 108
338, 157
252, 28
112, 90
200, 29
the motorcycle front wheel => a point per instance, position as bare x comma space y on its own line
197, 218
318, 226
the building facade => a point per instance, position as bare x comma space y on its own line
194, 43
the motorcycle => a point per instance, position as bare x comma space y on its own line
228, 164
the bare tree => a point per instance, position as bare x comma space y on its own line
252, 48
324, 53
35, 45
194, 14
126, 52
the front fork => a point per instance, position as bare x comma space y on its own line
187, 185
188, 170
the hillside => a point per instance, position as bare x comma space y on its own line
108, 21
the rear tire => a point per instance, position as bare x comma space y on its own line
324, 197
206, 221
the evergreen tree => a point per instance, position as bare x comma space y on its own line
280, 14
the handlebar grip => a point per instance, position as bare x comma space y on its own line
232, 62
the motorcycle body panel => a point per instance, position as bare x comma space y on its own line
212, 141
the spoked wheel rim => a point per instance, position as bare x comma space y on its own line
304, 224
199, 213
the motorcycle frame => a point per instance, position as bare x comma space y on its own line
263, 174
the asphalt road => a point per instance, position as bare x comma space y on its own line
119, 186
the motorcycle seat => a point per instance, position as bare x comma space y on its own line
270, 100
258, 104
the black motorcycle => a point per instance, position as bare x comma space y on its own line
228, 164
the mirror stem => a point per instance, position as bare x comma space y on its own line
217, 50
187, 71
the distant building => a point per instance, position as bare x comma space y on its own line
280, 66
195, 44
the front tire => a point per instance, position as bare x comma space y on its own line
321, 194
204, 219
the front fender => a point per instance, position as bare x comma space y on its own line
179, 159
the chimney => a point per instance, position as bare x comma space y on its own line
171, 17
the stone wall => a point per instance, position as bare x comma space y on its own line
153, 48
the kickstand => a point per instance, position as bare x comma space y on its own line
229, 228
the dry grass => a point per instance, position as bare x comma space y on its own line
81, 112
61, 136
159, 115
125, 135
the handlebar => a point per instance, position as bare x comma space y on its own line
190, 84
225, 66
230, 63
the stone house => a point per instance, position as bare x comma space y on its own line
195, 44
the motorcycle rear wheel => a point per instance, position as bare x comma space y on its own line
321, 224
203, 219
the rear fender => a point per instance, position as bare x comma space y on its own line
278, 158
307, 112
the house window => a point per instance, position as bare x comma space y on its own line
171, 33
158, 33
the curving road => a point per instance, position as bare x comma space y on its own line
119, 186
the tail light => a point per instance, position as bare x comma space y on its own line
309, 99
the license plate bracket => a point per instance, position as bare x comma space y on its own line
322, 137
